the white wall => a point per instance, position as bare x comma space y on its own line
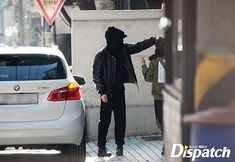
88, 28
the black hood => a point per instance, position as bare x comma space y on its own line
114, 35
114, 38
159, 49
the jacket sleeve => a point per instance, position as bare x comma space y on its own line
148, 72
140, 46
98, 74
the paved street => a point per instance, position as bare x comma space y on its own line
136, 149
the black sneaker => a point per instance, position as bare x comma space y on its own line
102, 152
119, 151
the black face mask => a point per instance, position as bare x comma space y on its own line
114, 47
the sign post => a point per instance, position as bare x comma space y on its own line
50, 9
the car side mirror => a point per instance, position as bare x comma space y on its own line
80, 80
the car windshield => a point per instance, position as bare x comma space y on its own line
31, 67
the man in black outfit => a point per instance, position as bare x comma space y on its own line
111, 69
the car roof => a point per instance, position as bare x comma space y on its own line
30, 50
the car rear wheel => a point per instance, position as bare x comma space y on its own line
75, 153
2, 148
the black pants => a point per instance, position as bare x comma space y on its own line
158, 105
116, 103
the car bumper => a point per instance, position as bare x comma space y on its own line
68, 129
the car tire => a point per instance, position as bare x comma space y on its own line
75, 153
2, 148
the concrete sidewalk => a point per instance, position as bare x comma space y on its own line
138, 148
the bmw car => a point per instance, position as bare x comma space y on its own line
41, 105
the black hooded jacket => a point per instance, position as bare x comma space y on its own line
104, 67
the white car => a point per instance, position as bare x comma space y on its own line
40, 102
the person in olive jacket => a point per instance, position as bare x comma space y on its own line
112, 68
150, 74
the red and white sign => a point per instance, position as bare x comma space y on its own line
50, 9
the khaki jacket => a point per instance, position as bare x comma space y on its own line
151, 75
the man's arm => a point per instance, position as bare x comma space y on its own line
98, 74
140, 46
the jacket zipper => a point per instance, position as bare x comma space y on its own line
114, 71
129, 71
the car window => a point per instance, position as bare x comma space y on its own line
31, 67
